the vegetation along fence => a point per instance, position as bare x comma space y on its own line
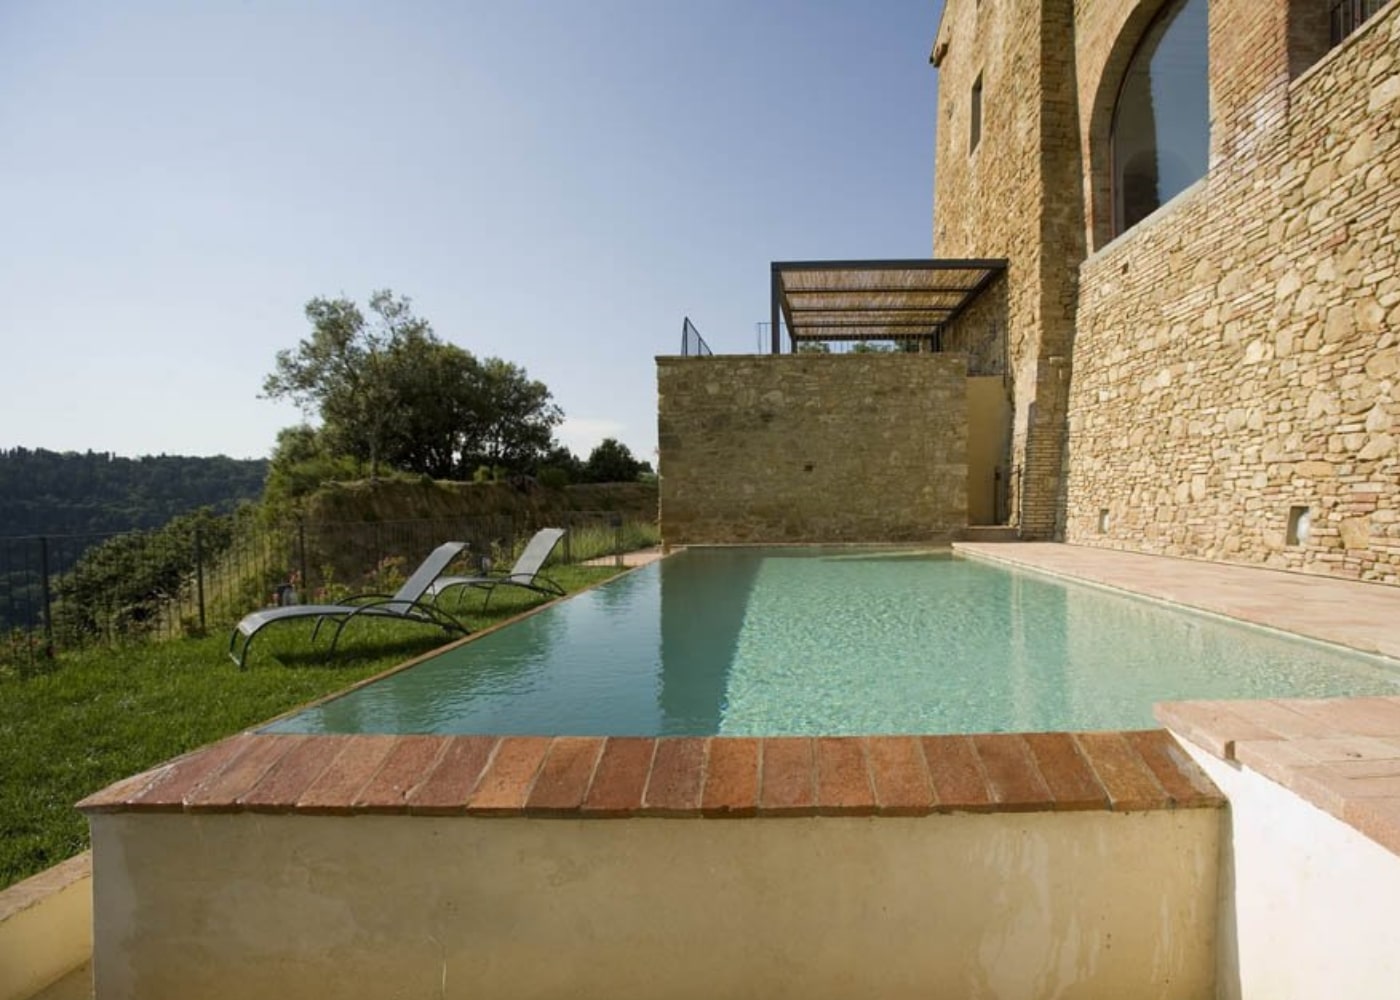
206, 570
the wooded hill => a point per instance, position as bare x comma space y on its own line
66, 493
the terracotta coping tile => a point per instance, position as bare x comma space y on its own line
787, 786
956, 774
287, 780
167, 791
1184, 782
1126, 778
1378, 819
1353, 716
117, 797
731, 778
1071, 781
900, 775
408, 765
620, 779
1362, 785
843, 778
506, 785
334, 789
693, 776
1284, 718
1320, 785
1344, 748
221, 791
1212, 725
445, 791
565, 775
1274, 759
1367, 768
677, 775
1012, 776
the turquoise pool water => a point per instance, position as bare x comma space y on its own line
773, 642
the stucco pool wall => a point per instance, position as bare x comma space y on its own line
1087, 904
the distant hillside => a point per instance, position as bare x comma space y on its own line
52, 493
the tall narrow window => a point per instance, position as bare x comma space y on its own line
1160, 141
975, 135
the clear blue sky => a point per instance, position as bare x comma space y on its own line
557, 184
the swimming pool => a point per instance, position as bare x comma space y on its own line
806, 642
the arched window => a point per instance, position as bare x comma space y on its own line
1160, 139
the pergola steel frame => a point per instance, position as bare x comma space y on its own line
842, 305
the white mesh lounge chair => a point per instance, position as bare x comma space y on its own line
525, 573
405, 605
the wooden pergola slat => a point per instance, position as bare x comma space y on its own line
874, 299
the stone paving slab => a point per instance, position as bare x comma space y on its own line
1362, 616
639, 557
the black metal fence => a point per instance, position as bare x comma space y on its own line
67, 591
692, 344
1348, 15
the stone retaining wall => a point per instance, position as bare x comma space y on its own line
812, 448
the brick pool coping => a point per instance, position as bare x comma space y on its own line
679, 777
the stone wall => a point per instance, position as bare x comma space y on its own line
1236, 353
1017, 195
812, 448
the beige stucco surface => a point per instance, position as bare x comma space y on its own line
1067, 905
45, 928
1309, 907
988, 438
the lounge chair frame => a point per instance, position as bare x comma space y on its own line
524, 574
405, 605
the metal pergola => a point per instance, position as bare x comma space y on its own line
864, 300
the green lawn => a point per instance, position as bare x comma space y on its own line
98, 715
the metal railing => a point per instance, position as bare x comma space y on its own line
1348, 15
692, 344
69, 591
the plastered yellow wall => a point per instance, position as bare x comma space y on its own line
1029, 905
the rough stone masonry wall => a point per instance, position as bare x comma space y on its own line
1018, 196
812, 448
1237, 354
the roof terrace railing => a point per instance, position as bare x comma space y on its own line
1348, 15
692, 344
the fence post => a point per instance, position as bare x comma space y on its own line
48, 595
568, 543
301, 557
199, 573
616, 519
378, 554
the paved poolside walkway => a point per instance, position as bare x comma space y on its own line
629, 559
1364, 616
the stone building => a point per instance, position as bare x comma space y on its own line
1179, 221
1199, 203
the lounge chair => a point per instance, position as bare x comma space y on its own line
525, 573
405, 605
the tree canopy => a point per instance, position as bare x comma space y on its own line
47, 492
613, 462
388, 392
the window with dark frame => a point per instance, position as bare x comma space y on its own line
1159, 139
1348, 15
